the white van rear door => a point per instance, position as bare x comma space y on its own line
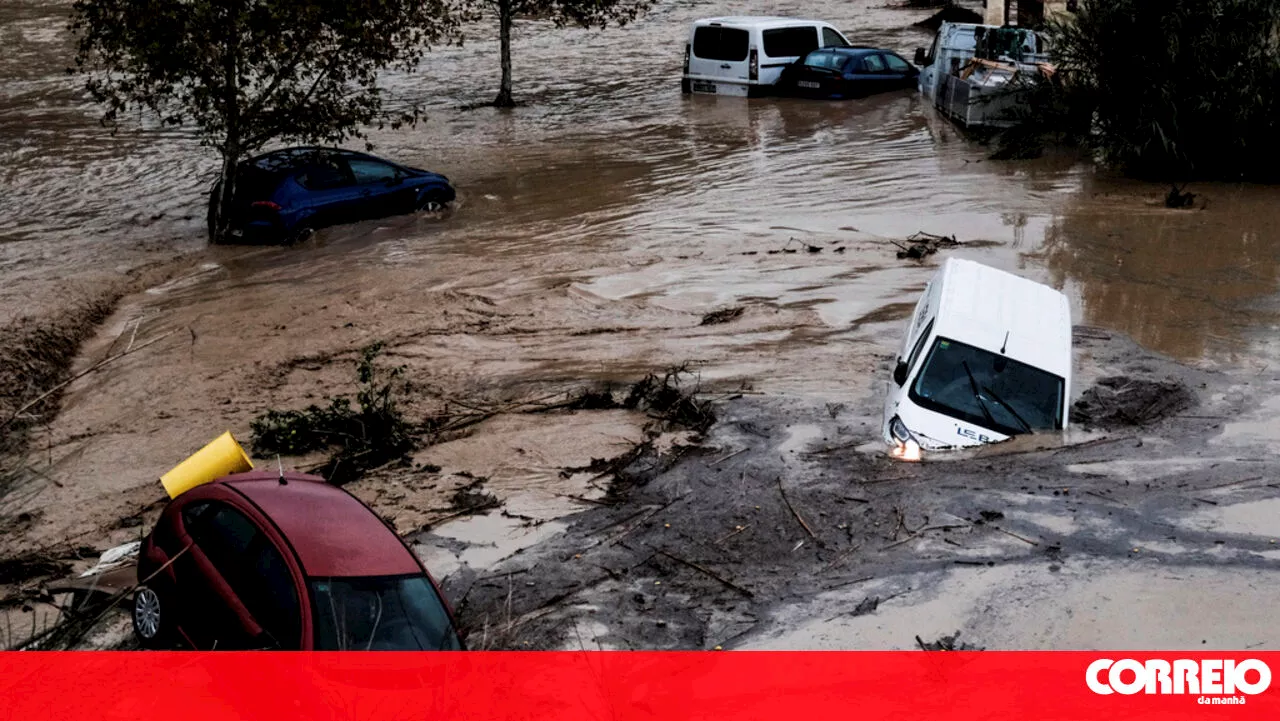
718, 53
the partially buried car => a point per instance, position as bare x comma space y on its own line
839, 73
266, 560
285, 195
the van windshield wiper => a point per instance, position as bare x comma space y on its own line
977, 394
1025, 426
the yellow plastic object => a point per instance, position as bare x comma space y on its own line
220, 458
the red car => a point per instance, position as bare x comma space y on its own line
262, 560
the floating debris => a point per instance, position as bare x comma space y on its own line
923, 244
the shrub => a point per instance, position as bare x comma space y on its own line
365, 436
1167, 89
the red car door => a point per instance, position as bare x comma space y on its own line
209, 613
264, 585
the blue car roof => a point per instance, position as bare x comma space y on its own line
286, 159
856, 50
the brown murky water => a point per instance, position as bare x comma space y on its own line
597, 224
608, 158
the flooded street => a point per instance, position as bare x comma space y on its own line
607, 158
597, 224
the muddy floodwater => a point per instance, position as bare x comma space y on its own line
596, 225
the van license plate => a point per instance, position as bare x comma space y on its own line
703, 87
808, 84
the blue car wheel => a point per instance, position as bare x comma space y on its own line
433, 200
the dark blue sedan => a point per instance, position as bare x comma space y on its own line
835, 73
285, 195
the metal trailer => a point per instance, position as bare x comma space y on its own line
976, 106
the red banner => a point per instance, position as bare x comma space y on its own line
951, 686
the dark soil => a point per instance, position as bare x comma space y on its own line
704, 552
1120, 402
35, 355
28, 567
717, 317
473, 497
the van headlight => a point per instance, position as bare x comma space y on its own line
907, 448
899, 431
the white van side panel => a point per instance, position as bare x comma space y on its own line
721, 69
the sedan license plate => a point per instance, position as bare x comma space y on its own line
704, 87
809, 84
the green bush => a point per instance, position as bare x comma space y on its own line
1168, 89
365, 436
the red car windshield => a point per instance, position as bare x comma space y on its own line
390, 613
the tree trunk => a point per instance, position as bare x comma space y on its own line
221, 217
504, 99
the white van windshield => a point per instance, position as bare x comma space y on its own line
988, 389
717, 43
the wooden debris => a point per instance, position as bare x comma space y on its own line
793, 510
704, 570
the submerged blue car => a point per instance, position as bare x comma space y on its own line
854, 72
285, 195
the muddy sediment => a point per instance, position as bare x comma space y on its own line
1117, 401
35, 355
792, 512
611, 227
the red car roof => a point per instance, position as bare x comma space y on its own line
333, 533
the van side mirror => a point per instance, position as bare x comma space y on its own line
900, 372
921, 59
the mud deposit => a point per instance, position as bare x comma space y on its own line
610, 228
784, 531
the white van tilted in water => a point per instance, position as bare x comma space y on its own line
986, 356
745, 55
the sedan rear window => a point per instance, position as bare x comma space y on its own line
253, 184
716, 43
371, 171
896, 64
829, 61
325, 174
790, 42
388, 613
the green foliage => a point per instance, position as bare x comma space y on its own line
365, 436
1170, 89
245, 73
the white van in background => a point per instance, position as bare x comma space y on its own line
986, 356
744, 56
